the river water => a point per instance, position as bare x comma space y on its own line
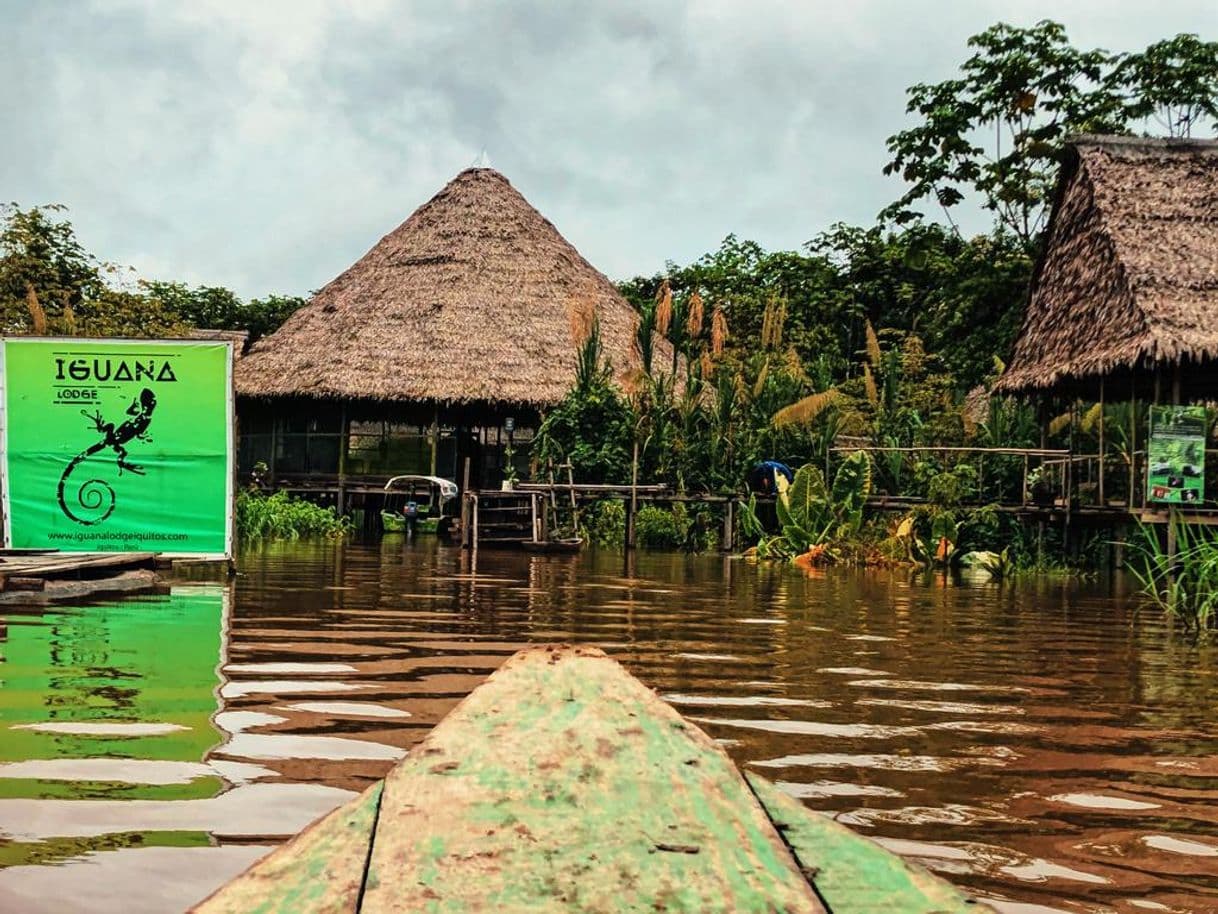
1043, 744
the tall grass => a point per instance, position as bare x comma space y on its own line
1185, 585
280, 516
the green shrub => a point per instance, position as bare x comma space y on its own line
280, 516
604, 522
659, 528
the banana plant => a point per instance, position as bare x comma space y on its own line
813, 513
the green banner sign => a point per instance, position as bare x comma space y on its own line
1176, 472
117, 445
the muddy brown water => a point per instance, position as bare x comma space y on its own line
1043, 744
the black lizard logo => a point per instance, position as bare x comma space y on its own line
90, 495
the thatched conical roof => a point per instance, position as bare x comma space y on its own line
1128, 280
473, 299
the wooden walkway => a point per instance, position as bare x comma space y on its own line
38, 576
563, 784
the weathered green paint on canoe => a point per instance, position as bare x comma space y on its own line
853, 874
320, 871
562, 784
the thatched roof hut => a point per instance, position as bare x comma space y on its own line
471, 301
1127, 286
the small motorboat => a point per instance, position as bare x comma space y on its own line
417, 504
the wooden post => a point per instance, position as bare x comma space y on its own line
1069, 481
274, 448
729, 529
1102, 499
345, 425
634, 497
1133, 440
475, 525
1173, 513
1023, 499
435, 437
1171, 537
465, 512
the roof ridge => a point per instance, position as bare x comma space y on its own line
1204, 144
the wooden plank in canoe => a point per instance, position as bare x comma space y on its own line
853, 874
564, 784
320, 871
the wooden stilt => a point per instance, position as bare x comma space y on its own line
1100, 479
1133, 441
727, 542
345, 425
435, 437
633, 508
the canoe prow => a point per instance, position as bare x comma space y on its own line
563, 784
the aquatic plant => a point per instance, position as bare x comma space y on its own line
814, 515
1183, 584
281, 516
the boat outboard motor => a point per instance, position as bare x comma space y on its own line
411, 513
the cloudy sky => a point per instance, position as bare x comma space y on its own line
266, 144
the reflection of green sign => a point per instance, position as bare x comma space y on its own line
1176, 474
117, 445
148, 661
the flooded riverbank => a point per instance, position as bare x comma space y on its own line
1042, 743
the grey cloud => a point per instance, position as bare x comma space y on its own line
266, 145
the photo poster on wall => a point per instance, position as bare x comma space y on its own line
1176, 456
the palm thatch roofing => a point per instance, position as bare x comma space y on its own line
1127, 283
476, 298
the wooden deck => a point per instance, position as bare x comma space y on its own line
32, 576
563, 784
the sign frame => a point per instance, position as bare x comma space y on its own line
230, 424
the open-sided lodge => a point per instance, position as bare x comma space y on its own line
416, 358
1124, 301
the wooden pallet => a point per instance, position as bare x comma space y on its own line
563, 784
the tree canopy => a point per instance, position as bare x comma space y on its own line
49, 284
996, 130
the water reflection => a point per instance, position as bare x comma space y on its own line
1043, 745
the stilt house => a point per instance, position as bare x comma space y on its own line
1124, 299
417, 357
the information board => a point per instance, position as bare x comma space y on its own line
117, 445
1176, 471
